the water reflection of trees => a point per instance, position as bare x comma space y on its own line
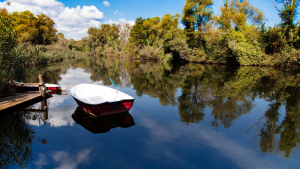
151, 78
225, 92
281, 137
228, 92
213, 88
16, 139
51, 73
231, 96
155, 80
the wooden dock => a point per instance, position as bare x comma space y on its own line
22, 100
18, 99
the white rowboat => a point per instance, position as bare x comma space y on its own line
101, 100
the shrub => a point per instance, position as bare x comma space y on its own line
246, 53
11, 62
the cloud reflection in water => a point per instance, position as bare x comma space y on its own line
161, 136
65, 160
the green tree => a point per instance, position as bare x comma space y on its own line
150, 38
60, 34
25, 24
224, 19
104, 41
288, 15
38, 30
196, 14
238, 13
47, 32
137, 33
12, 64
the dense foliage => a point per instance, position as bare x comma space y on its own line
37, 30
237, 36
104, 40
25, 42
11, 62
153, 38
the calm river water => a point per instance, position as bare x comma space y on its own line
184, 116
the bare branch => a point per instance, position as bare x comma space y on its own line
276, 7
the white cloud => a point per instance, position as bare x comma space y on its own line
50, 8
94, 23
118, 13
120, 21
112, 22
72, 22
43, 3
106, 3
124, 21
90, 12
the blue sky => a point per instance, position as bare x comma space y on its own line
74, 17
131, 9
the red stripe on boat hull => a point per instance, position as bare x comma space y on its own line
104, 109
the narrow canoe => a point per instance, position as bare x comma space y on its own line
101, 100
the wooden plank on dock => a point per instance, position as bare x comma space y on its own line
29, 84
15, 100
22, 100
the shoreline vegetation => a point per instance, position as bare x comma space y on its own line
25, 42
238, 36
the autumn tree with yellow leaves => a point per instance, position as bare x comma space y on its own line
35, 29
237, 14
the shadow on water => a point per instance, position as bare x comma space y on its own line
102, 124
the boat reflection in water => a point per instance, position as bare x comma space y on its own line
104, 123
